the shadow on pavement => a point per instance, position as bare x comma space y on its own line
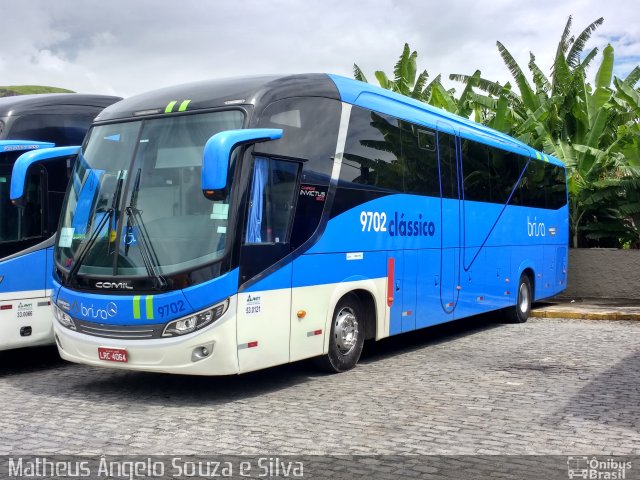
28, 360
112, 386
446, 332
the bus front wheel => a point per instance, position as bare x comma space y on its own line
347, 336
520, 313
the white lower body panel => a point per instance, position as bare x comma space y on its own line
26, 311
169, 355
259, 330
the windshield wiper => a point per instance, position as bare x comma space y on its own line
115, 201
147, 252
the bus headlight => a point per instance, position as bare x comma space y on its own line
196, 321
63, 318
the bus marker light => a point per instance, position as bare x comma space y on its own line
301, 314
506, 280
450, 304
6, 307
314, 333
480, 298
252, 344
408, 313
507, 292
458, 287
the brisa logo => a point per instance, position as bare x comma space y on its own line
111, 310
535, 228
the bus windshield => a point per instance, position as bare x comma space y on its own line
135, 200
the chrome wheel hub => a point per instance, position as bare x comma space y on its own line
346, 330
524, 298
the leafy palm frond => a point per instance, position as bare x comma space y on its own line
539, 78
573, 57
526, 93
603, 77
565, 39
633, 77
358, 74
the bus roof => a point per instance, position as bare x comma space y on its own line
221, 92
264, 89
33, 103
382, 100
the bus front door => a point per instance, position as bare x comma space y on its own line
264, 299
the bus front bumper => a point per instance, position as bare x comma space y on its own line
178, 355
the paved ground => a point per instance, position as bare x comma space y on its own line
549, 386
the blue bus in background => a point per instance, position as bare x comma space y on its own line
35, 123
231, 225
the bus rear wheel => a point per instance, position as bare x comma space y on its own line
520, 313
347, 336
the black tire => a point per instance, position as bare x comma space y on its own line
520, 312
347, 336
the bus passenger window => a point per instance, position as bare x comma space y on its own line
421, 160
372, 153
32, 212
477, 173
9, 220
448, 168
271, 201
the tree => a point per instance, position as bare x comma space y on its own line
407, 82
592, 129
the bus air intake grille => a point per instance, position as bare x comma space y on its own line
124, 332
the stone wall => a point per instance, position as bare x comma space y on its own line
603, 273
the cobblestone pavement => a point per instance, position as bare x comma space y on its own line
549, 386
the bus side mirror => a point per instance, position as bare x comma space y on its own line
26, 161
215, 158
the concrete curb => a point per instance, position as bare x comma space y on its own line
577, 315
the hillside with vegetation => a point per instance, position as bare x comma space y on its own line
12, 90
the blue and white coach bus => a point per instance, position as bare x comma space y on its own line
227, 226
35, 124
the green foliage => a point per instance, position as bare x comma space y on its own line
593, 129
30, 89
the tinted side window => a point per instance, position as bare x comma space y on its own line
477, 171
310, 128
532, 185
272, 200
420, 155
555, 186
61, 129
372, 153
448, 167
505, 170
